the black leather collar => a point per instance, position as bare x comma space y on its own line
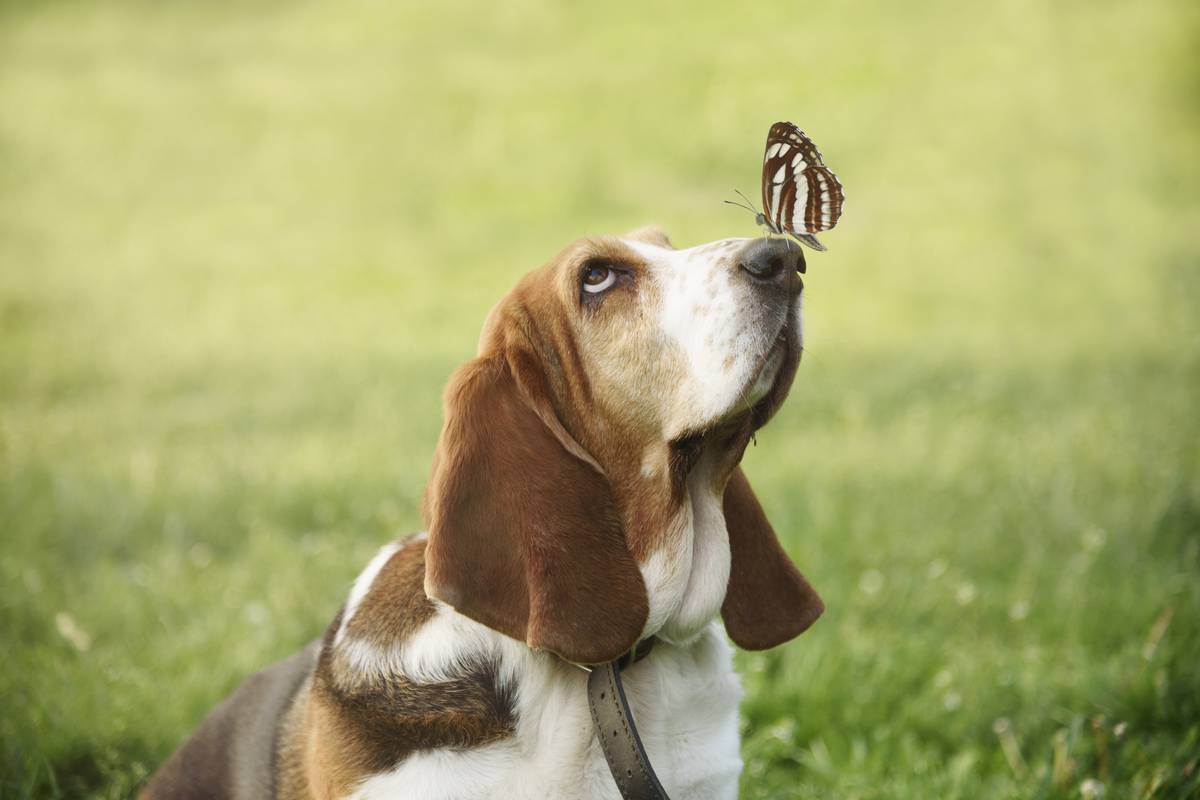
613, 722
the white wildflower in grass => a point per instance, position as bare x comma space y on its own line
951, 701
784, 730
1018, 611
943, 679
1091, 789
871, 582
936, 569
965, 594
256, 614
69, 629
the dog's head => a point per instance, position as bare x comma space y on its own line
586, 490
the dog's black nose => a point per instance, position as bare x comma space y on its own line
771, 260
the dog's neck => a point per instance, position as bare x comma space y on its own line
687, 572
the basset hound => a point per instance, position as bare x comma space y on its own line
585, 495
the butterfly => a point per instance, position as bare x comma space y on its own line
800, 195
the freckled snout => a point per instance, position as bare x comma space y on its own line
772, 261
724, 332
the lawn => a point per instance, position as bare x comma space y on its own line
242, 247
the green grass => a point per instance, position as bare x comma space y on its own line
242, 246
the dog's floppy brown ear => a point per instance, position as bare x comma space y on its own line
768, 601
524, 536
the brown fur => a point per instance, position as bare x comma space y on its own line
768, 601
350, 725
522, 535
356, 731
291, 764
396, 605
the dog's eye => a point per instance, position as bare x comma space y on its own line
598, 278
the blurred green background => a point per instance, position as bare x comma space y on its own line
242, 246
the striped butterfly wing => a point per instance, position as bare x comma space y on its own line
800, 194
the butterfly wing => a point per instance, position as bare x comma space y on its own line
800, 194
775, 176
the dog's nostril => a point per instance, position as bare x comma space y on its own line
771, 261
762, 266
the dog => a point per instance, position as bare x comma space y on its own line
585, 496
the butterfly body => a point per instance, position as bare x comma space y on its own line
800, 195
764, 222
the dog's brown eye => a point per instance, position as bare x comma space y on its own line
597, 279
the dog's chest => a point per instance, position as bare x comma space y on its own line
684, 701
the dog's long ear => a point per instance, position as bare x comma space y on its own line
768, 601
524, 535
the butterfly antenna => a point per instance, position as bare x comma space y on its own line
747, 199
746, 205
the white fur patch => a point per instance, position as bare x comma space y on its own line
440, 650
665, 574
717, 319
684, 701
709, 576
686, 579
